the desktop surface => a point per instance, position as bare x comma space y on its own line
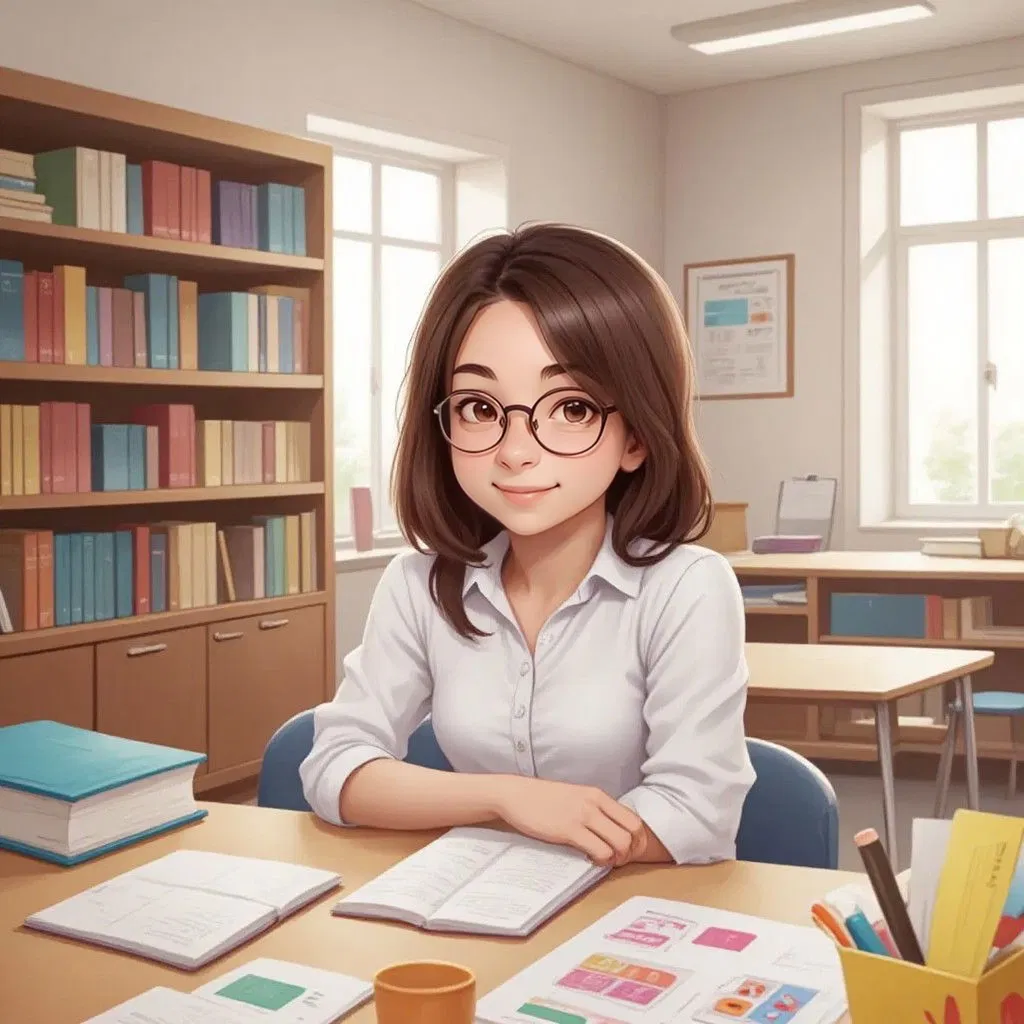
60, 981
875, 564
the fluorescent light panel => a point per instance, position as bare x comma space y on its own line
796, 21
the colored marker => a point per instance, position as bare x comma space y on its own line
887, 892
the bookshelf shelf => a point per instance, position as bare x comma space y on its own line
143, 376
249, 664
158, 496
57, 243
796, 610
33, 641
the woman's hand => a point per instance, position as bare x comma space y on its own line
585, 817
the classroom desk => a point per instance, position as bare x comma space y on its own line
859, 674
50, 980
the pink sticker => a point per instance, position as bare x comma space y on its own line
631, 992
724, 938
587, 981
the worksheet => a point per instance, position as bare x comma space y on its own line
655, 961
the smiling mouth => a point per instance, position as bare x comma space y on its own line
525, 490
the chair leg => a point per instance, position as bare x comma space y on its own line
945, 773
1016, 743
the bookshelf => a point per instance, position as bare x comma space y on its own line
221, 675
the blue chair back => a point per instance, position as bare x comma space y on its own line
279, 782
791, 815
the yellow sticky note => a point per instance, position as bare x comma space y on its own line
973, 886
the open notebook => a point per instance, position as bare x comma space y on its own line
187, 908
476, 880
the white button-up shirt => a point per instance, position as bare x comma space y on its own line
638, 686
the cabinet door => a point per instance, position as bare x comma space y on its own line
262, 671
52, 684
153, 688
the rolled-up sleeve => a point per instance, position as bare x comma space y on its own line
384, 694
697, 772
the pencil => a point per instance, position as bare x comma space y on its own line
887, 892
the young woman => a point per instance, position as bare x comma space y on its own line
581, 660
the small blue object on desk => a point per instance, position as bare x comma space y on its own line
52, 773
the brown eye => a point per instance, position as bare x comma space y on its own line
576, 412
476, 410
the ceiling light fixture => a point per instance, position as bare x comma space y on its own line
805, 19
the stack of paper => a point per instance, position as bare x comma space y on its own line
262, 991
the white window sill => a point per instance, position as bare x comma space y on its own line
350, 560
942, 527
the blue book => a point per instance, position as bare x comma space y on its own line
110, 457
173, 341
77, 579
285, 340
62, 579
133, 195
17, 184
263, 335
12, 311
61, 765
158, 572
299, 226
104, 575
288, 218
270, 203
92, 325
154, 288
88, 577
123, 575
881, 615
224, 331
136, 456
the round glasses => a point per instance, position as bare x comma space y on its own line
565, 421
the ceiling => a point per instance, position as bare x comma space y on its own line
629, 39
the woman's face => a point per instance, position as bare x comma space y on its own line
504, 361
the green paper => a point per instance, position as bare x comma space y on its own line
265, 993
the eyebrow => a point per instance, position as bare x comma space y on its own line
553, 370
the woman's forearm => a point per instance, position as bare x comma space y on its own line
386, 793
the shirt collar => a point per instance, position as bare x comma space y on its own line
607, 566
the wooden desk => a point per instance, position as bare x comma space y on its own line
879, 676
844, 733
59, 981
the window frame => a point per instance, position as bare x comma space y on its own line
980, 230
387, 533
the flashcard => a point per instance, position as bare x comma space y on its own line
724, 938
752, 1000
548, 1010
624, 981
652, 930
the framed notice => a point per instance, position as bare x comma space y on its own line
739, 315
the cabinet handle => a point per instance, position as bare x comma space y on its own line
134, 652
273, 623
228, 636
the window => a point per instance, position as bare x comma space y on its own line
959, 291
392, 234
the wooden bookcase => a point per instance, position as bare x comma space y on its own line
219, 678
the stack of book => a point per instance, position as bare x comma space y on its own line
18, 197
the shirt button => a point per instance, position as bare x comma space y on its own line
520, 711
520, 746
524, 668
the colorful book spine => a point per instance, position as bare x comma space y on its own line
12, 311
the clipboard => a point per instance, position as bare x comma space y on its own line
807, 506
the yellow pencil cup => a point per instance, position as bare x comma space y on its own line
883, 990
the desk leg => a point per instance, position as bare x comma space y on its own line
883, 731
965, 691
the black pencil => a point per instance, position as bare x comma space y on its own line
887, 892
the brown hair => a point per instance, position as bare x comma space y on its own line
611, 320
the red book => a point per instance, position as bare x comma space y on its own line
188, 198
139, 327
172, 423
83, 445
155, 200
19, 576
123, 328
173, 172
204, 207
45, 449
45, 316
44, 557
64, 447
31, 298
58, 318
140, 537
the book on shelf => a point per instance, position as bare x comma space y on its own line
80, 186
765, 595
288, 992
154, 321
60, 578
187, 908
476, 880
68, 795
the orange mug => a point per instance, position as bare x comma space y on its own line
425, 992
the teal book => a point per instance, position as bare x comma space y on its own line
77, 579
270, 205
154, 288
299, 226
88, 577
71, 786
173, 340
224, 331
123, 575
133, 197
104, 576
136, 456
62, 579
92, 328
110, 457
12, 311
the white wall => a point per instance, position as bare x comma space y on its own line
757, 169
582, 148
